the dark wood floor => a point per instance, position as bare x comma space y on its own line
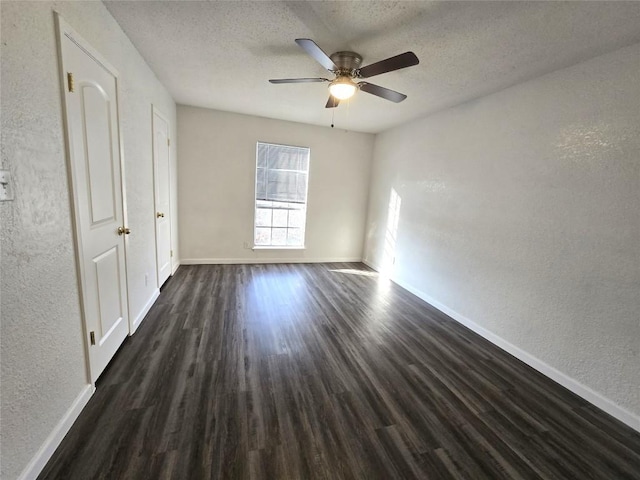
325, 372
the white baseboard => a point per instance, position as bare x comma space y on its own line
42, 456
145, 310
244, 261
597, 399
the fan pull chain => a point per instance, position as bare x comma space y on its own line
333, 114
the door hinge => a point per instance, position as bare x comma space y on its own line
70, 82
92, 336
171, 252
168, 142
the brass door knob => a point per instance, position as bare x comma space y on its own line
159, 215
124, 230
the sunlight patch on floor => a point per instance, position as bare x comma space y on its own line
353, 271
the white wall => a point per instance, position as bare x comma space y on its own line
520, 212
217, 183
43, 364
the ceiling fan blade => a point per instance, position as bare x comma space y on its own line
316, 52
406, 59
382, 92
333, 102
298, 80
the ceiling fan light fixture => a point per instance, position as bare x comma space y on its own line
342, 88
345, 65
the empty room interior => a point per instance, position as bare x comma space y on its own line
320, 240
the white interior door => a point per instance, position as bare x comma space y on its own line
91, 108
161, 181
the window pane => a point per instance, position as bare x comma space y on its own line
263, 217
263, 236
284, 159
280, 218
301, 187
296, 218
263, 149
279, 236
295, 237
261, 183
304, 162
285, 186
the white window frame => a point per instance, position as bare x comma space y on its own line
304, 208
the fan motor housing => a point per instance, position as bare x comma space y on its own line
346, 61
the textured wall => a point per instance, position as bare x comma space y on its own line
43, 368
521, 212
217, 186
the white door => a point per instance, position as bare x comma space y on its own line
91, 106
161, 181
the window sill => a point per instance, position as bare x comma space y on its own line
276, 247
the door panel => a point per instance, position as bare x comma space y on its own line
91, 109
161, 178
95, 109
107, 271
164, 250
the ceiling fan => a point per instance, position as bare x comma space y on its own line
346, 68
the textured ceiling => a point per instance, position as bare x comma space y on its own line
220, 55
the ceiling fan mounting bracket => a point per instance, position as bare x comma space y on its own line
348, 63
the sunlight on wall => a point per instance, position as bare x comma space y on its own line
391, 233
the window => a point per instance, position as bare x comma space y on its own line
282, 174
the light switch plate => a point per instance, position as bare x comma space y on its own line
6, 188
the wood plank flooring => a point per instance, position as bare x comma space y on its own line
323, 371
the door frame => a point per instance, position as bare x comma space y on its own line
63, 29
155, 111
